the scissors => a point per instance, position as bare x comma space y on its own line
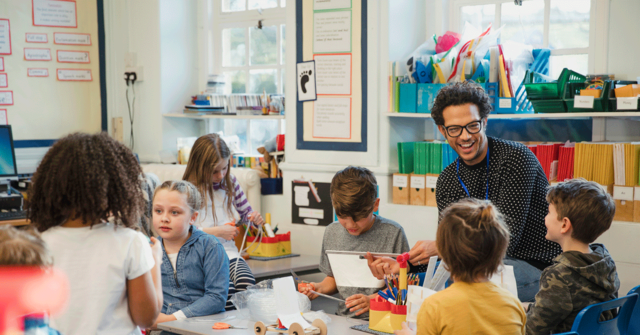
301, 283
222, 325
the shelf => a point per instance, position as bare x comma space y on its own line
532, 116
218, 116
276, 153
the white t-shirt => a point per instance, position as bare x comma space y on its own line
98, 262
222, 217
173, 259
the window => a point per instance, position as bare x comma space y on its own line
246, 45
566, 27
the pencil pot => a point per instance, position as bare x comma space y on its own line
280, 245
398, 316
380, 315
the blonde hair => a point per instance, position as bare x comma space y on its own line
194, 199
23, 248
472, 239
207, 153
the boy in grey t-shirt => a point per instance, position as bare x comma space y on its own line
354, 198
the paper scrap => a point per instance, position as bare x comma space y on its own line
287, 307
351, 271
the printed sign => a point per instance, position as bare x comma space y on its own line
4, 81
6, 98
36, 54
66, 56
54, 13
37, 72
74, 75
71, 39
36, 38
5, 37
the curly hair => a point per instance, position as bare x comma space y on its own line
459, 94
88, 177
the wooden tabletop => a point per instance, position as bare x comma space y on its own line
18, 222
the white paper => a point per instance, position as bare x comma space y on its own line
65, 56
6, 97
301, 195
351, 271
4, 81
5, 37
637, 193
36, 38
74, 75
432, 182
306, 78
623, 193
332, 32
287, 307
332, 118
331, 4
37, 54
627, 103
415, 297
400, 181
428, 276
417, 182
70, 38
3, 117
38, 72
1, 63
505, 102
311, 213
333, 74
53, 13
583, 101
506, 279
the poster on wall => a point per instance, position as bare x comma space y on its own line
54, 13
74, 75
5, 37
332, 32
37, 72
333, 74
332, 118
36, 38
311, 203
37, 54
68, 56
71, 39
306, 78
4, 120
4, 80
331, 4
6, 98
1, 63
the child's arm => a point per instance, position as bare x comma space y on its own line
226, 232
241, 203
216, 283
326, 286
553, 303
144, 293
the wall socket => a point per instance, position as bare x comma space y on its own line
139, 71
130, 59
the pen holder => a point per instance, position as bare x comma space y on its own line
398, 316
380, 315
280, 245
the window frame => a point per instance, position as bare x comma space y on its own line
598, 28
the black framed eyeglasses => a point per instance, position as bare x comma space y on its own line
473, 127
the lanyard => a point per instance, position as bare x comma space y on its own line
465, 186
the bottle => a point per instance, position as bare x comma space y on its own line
267, 225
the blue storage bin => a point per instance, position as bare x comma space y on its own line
408, 98
271, 186
426, 96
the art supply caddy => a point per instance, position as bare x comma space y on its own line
264, 241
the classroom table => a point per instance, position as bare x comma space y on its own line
16, 222
302, 265
339, 325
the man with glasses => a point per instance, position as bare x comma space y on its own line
505, 172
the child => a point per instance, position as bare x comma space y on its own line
584, 273
208, 169
24, 248
195, 268
114, 276
354, 198
472, 240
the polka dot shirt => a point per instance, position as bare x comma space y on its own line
517, 187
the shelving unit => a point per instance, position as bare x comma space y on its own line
229, 117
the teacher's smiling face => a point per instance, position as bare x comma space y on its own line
465, 131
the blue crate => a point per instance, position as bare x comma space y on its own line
407, 98
426, 96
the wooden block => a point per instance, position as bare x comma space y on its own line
400, 188
636, 204
417, 190
117, 129
623, 197
432, 179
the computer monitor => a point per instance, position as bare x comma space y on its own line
8, 166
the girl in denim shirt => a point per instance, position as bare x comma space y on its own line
195, 267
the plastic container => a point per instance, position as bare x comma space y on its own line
613, 100
599, 104
271, 186
549, 97
280, 245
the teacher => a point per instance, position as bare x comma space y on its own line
506, 173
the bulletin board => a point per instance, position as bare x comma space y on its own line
333, 33
50, 51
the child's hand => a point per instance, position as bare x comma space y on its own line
228, 232
256, 218
405, 330
156, 250
359, 303
381, 266
305, 289
163, 318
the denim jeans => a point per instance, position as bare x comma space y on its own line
527, 278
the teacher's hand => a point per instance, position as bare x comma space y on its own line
422, 251
381, 266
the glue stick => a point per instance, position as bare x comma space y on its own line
267, 225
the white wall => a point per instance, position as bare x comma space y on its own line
623, 39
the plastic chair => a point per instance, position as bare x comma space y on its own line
587, 321
634, 324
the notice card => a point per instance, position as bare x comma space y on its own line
4, 120
37, 72
65, 56
74, 75
332, 32
4, 81
331, 4
6, 98
72, 39
332, 118
1, 63
37, 54
36, 38
52, 13
5, 37
333, 74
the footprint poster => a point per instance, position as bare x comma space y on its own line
306, 78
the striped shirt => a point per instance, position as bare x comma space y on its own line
240, 202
